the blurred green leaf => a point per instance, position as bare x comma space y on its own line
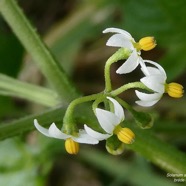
17, 164
123, 171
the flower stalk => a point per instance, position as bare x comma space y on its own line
122, 53
128, 86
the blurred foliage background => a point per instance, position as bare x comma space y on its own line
73, 31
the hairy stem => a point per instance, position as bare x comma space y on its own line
129, 86
39, 52
122, 53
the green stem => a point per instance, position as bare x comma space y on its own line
125, 104
98, 101
40, 53
129, 86
10, 86
68, 121
142, 119
26, 124
122, 53
108, 86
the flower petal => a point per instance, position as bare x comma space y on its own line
144, 68
118, 109
41, 129
151, 71
96, 135
148, 97
107, 120
119, 40
146, 103
161, 70
120, 31
147, 100
85, 138
56, 133
130, 64
154, 82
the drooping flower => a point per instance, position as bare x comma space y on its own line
71, 142
110, 122
155, 79
124, 39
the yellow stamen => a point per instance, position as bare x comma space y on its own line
174, 90
147, 43
71, 146
125, 135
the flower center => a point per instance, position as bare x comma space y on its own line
71, 146
125, 135
174, 90
146, 43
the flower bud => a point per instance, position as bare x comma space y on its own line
125, 135
147, 43
71, 146
174, 90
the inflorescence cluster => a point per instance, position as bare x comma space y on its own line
111, 117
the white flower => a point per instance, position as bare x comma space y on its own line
54, 132
110, 122
123, 39
155, 79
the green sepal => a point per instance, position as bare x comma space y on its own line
114, 146
143, 120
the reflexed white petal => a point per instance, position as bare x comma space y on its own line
151, 71
56, 133
119, 40
148, 97
155, 83
144, 68
41, 129
146, 103
162, 71
120, 31
96, 135
118, 109
85, 138
107, 120
130, 64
